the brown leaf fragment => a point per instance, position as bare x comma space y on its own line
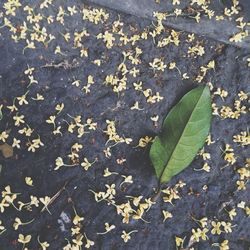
7, 150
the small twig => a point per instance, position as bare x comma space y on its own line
64, 64
55, 196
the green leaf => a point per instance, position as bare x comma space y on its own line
183, 133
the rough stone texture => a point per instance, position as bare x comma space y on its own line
231, 74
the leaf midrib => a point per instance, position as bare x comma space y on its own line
181, 135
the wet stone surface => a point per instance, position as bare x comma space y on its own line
101, 104
209, 27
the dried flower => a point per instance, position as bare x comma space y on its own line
126, 236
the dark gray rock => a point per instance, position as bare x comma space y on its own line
231, 74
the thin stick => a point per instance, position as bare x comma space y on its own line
55, 196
